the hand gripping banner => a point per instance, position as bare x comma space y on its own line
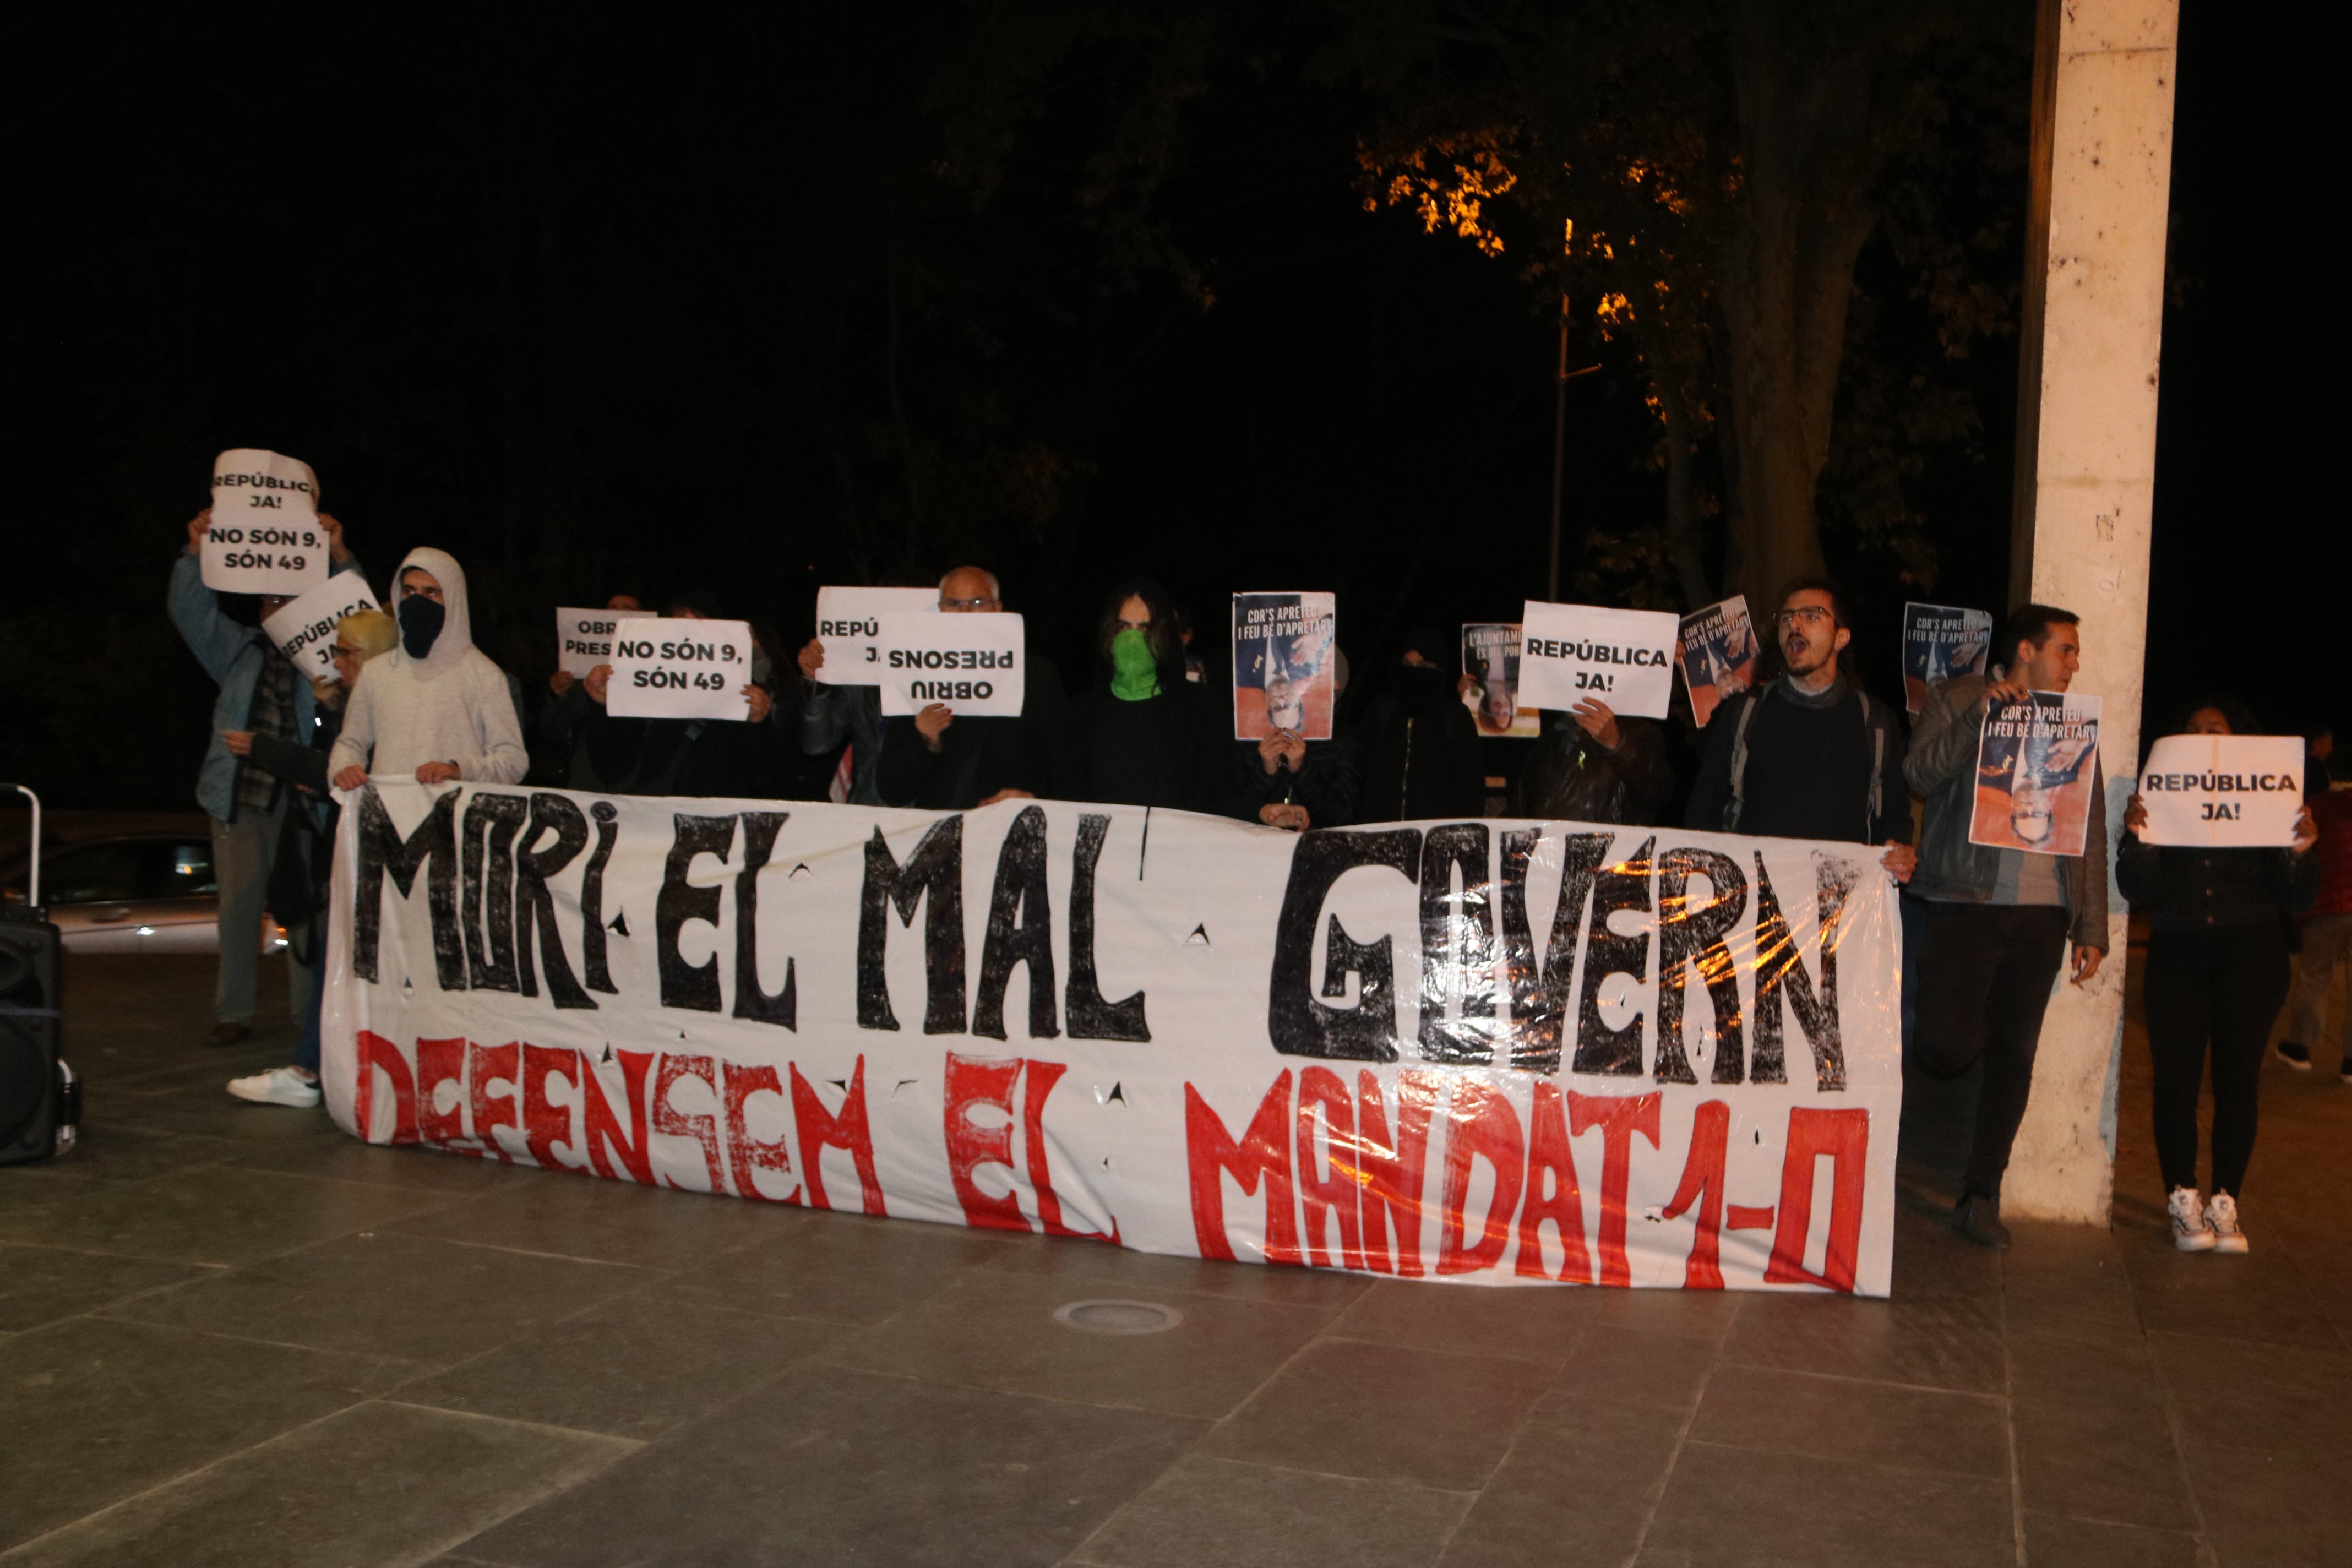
1499, 1052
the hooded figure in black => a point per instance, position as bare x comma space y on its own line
1421, 756
1143, 734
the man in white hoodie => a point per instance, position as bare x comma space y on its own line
436, 706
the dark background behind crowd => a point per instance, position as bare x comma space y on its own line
605, 308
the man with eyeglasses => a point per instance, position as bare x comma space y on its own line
941, 763
1999, 921
261, 693
1809, 754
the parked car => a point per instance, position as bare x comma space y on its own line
145, 892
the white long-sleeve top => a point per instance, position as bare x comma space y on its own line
451, 705
402, 716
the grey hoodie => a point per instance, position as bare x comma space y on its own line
451, 705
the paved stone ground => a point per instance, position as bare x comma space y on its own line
230, 1335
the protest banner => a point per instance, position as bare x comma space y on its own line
1490, 656
1573, 653
584, 638
1718, 654
1285, 676
1940, 643
976, 663
849, 624
1613, 1055
304, 630
664, 668
264, 537
2216, 791
2037, 763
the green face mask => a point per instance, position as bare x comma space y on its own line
1135, 673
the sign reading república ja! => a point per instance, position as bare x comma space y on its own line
680, 669
1940, 643
264, 537
1577, 653
584, 638
976, 664
2223, 791
304, 630
1163, 1030
849, 624
1284, 676
2037, 763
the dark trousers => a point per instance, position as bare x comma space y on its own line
2218, 988
1985, 974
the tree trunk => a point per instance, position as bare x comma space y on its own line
1808, 162
1682, 498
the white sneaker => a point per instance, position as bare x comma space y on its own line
278, 1086
2189, 1232
2222, 1217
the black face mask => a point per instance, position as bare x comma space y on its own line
420, 624
1420, 687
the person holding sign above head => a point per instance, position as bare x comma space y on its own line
1143, 735
261, 693
683, 756
938, 762
1810, 754
1999, 921
436, 707
299, 878
2216, 971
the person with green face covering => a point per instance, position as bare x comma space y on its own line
1143, 735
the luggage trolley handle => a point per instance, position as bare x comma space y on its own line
33, 873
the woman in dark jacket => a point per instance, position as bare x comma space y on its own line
1590, 765
1421, 757
2216, 971
1142, 735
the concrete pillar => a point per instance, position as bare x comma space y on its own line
2101, 179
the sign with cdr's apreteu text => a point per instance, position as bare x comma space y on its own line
686, 669
976, 664
1506, 1053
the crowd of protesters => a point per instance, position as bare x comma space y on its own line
1808, 753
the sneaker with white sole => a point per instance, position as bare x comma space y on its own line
2294, 1055
2189, 1231
2222, 1218
278, 1086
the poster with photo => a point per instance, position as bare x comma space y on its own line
1490, 657
1284, 654
1718, 654
2037, 763
1940, 643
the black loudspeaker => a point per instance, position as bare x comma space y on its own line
39, 1108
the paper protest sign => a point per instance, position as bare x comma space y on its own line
2037, 763
1285, 676
584, 638
1718, 654
976, 663
1940, 643
849, 624
304, 630
1573, 653
2216, 791
679, 669
264, 536
1490, 656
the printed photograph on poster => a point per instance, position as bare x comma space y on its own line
1490, 657
976, 663
1571, 653
1940, 643
849, 624
1284, 664
1718, 654
264, 536
2036, 766
584, 638
2215, 792
304, 630
664, 668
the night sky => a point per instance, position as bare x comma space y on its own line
599, 306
